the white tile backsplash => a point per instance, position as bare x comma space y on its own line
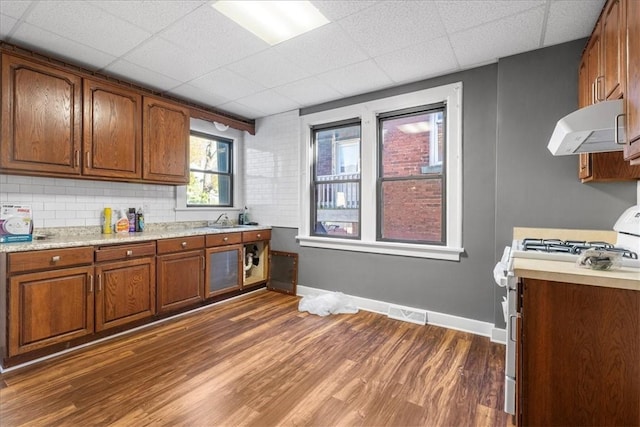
58, 202
271, 170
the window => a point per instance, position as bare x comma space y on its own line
336, 180
411, 194
385, 176
210, 171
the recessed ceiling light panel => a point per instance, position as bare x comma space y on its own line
273, 21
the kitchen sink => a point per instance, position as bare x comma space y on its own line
224, 226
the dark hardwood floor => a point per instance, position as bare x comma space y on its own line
257, 361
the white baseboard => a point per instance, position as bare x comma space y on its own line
433, 318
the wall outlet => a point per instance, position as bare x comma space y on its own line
145, 209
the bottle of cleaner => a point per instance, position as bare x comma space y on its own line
122, 224
131, 216
139, 220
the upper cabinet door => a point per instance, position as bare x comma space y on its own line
41, 118
112, 135
165, 142
632, 95
613, 50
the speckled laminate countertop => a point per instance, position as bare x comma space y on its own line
75, 237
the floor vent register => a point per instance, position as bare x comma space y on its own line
407, 314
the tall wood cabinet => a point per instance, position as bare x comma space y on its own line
41, 118
602, 75
112, 134
578, 355
165, 141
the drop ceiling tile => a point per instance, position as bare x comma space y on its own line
268, 68
227, 84
269, 102
206, 98
168, 59
393, 25
209, 33
140, 75
152, 16
322, 49
419, 61
46, 42
78, 20
14, 9
242, 110
357, 78
335, 10
462, 15
566, 20
486, 43
6, 25
310, 91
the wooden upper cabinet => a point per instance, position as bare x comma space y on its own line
41, 118
594, 64
611, 84
165, 141
632, 95
112, 133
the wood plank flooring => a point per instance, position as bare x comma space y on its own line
257, 361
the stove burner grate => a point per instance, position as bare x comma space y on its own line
572, 246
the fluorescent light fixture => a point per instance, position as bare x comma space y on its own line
273, 21
417, 127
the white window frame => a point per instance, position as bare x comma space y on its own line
196, 213
368, 112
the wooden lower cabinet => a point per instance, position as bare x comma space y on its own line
125, 291
180, 280
578, 355
49, 307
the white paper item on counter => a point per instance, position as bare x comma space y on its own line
16, 223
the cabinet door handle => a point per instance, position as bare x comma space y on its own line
99, 282
616, 131
91, 283
259, 235
183, 244
76, 158
598, 99
225, 239
129, 252
55, 258
87, 158
593, 93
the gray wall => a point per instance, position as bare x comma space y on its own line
534, 188
510, 179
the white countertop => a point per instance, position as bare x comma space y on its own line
569, 272
75, 240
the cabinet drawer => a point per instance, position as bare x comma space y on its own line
48, 259
109, 253
223, 239
252, 236
180, 244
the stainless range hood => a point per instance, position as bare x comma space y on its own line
588, 130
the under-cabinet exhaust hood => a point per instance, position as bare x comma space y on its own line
589, 130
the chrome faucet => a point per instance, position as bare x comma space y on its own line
225, 221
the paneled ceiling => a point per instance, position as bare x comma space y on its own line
189, 50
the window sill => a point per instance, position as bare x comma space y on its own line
388, 248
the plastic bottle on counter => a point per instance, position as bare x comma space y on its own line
122, 224
106, 221
131, 217
139, 220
